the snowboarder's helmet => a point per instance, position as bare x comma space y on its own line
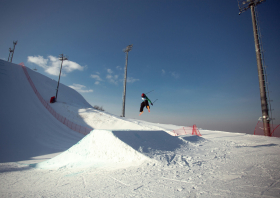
143, 95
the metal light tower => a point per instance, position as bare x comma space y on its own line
126, 50
62, 58
12, 51
243, 6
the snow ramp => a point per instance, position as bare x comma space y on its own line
104, 148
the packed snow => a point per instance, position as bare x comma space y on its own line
121, 157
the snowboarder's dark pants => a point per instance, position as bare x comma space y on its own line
143, 104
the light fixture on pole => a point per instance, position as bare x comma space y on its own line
62, 58
126, 50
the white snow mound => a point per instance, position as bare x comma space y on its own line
98, 149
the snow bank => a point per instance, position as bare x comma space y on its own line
98, 149
103, 148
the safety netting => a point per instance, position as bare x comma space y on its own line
274, 129
193, 130
75, 127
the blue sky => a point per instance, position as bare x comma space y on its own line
198, 56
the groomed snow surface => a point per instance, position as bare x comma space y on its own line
41, 157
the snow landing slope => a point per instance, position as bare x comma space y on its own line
27, 129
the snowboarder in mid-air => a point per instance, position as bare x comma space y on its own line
145, 103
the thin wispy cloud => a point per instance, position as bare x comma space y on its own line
112, 78
175, 75
131, 80
109, 71
96, 77
52, 64
80, 88
119, 68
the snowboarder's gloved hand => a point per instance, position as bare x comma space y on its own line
152, 104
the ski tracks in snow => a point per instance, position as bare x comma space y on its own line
201, 168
